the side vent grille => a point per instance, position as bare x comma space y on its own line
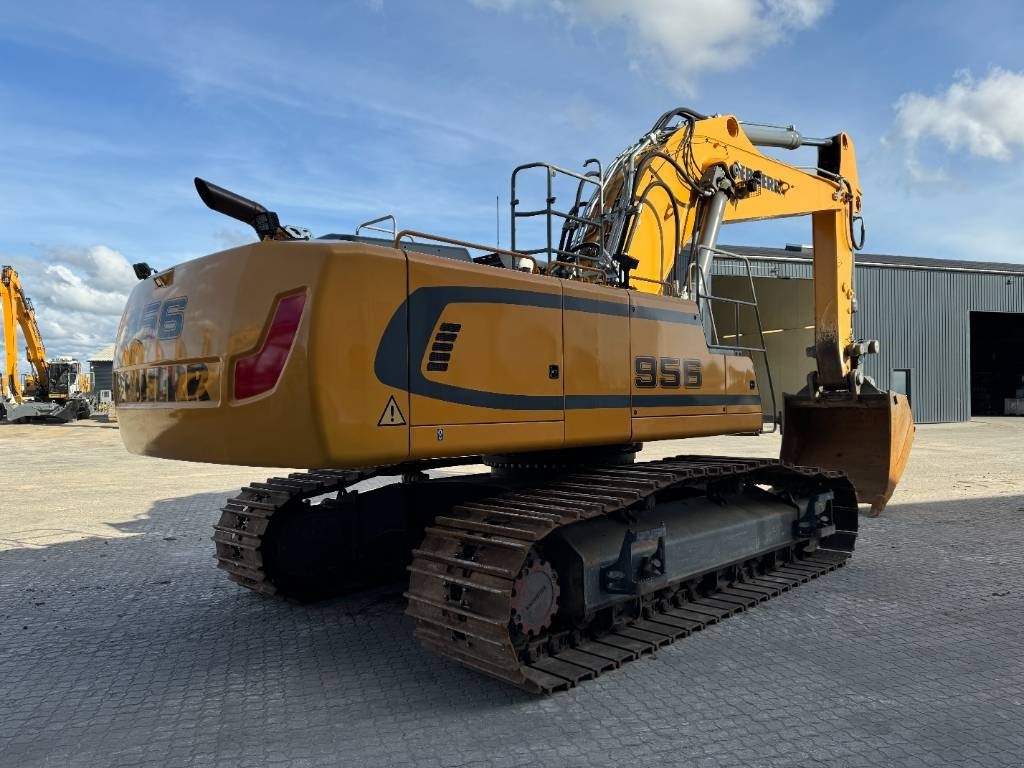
444, 343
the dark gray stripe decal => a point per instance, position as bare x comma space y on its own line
661, 401
666, 315
421, 311
595, 306
600, 307
583, 402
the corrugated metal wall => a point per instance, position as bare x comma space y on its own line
922, 319
763, 268
102, 375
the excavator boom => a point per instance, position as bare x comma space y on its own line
17, 311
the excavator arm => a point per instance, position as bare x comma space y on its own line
17, 311
664, 201
708, 172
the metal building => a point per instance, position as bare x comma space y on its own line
101, 366
951, 332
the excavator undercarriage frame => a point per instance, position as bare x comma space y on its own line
486, 554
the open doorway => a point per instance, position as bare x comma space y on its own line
997, 360
786, 307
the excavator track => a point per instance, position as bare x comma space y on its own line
246, 517
465, 574
240, 535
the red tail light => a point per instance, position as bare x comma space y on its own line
258, 372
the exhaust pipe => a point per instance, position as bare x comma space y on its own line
266, 223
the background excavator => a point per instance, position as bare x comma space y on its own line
59, 388
357, 359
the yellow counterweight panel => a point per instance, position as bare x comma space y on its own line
468, 439
308, 418
678, 387
483, 343
403, 355
678, 427
361, 420
597, 364
741, 382
673, 373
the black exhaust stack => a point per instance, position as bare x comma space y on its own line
266, 223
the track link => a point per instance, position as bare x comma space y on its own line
239, 535
462, 576
245, 518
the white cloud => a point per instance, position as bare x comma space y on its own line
78, 294
985, 117
103, 268
682, 38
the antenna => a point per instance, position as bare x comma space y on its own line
497, 223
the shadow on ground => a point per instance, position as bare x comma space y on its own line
138, 650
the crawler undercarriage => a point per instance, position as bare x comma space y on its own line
544, 583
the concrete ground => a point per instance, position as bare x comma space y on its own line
122, 644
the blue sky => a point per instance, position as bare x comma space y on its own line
334, 113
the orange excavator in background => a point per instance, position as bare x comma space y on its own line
59, 388
29, 385
358, 358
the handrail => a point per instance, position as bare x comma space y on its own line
369, 224
464, 244
671, 287
558, 169
548, 211
752, 302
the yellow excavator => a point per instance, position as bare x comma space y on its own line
359, 357
58, 386
29, 385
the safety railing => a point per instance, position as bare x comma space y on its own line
563, 253
371, 225
668, 287
514, 255
706, 301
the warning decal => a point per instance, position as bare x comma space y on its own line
392, 416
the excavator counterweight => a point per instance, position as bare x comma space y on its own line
357, 357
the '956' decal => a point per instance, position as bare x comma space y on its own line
164, 320
667, 373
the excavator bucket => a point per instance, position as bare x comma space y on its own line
867, 437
